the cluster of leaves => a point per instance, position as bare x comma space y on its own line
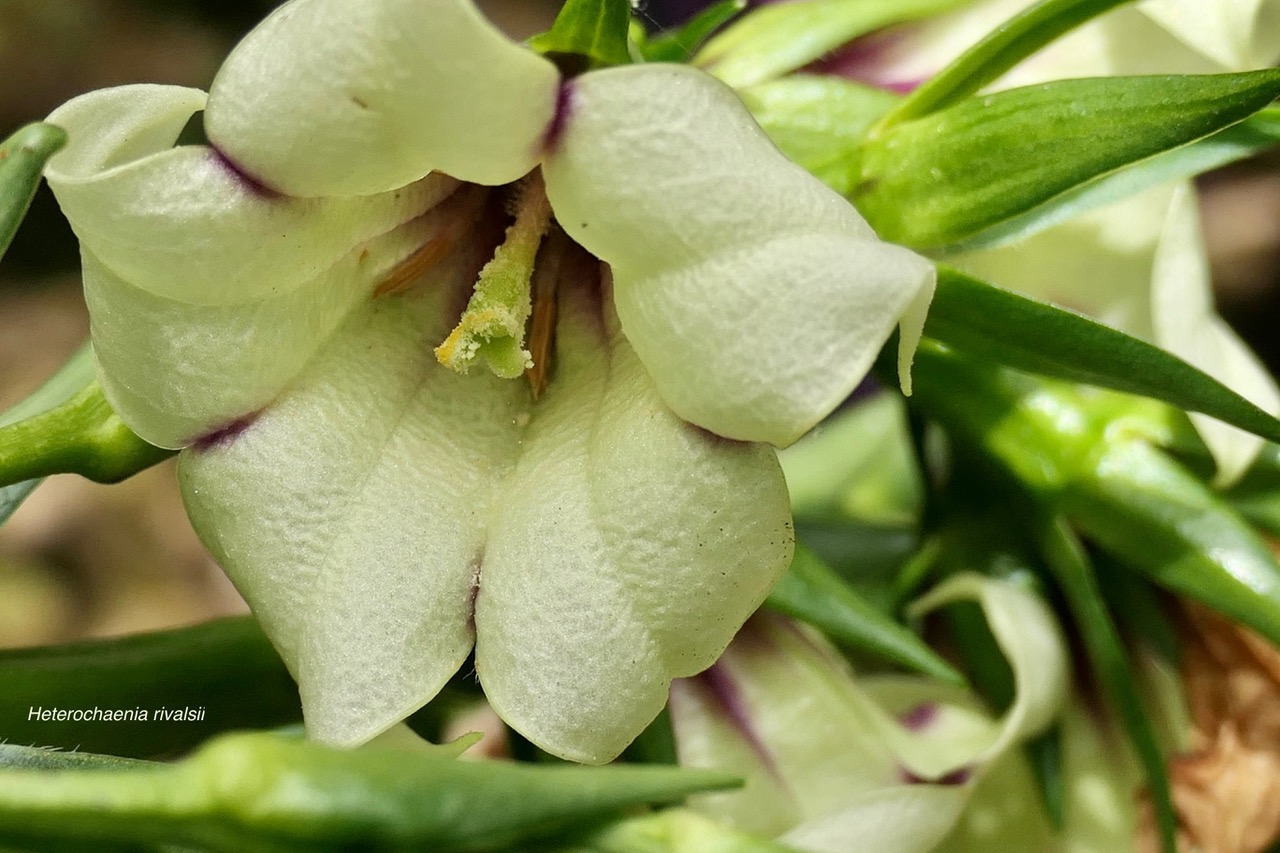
1097, 499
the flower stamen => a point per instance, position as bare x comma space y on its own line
457, 216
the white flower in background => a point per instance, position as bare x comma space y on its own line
271, 302
893, 764
1139, 264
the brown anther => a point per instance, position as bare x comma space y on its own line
457, 216
542, 320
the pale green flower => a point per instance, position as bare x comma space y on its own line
271, 302
836, 762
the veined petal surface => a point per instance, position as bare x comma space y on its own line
331, 97
352, 515
384, 512
756, 297
627, 547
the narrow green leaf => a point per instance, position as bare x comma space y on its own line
227, 668
79, 436
681, 43
773, 40
262, 792
1067, 560
1138, 608
981, 319
1256, 134
943, 178
1006, 46
22, 159
819, 122
812, 592
1144, 509
1044, 754
595, 30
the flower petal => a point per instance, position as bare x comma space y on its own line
756, 297
627, 548
182, 223
1222, 30
351, 516
1185, 323
330, 97
1028, 634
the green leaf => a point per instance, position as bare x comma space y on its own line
1067, 560
70, 378
81, 435
262, 792
981, 319
773, 40
1260, 132
22, 159
819, 122
596, 30
812, 592
943, 178
226, 667
680, 44
1006, 46
1144, 509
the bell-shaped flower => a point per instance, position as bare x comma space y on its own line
889, 763
271, 302
1139, 264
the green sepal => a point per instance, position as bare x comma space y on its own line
773, 40
22, 159
819, 122
1258, 133
595, 30
1150, 514
81, 435
941, 179
70, 378
984, 320
261, 792
812, 592
681, 43
1006, 46
227, 667
1109, 663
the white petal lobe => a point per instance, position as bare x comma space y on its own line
626, 548
331, 97
351, 516
756, 297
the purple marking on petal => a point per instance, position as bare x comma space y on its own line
920, 717
224, 435
869, 60
564, 110
251, 182
959, 776
720, 683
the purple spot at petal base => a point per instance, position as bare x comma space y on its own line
959, 776
564, 109
250, 182
919, 717
720, 684
224, 435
